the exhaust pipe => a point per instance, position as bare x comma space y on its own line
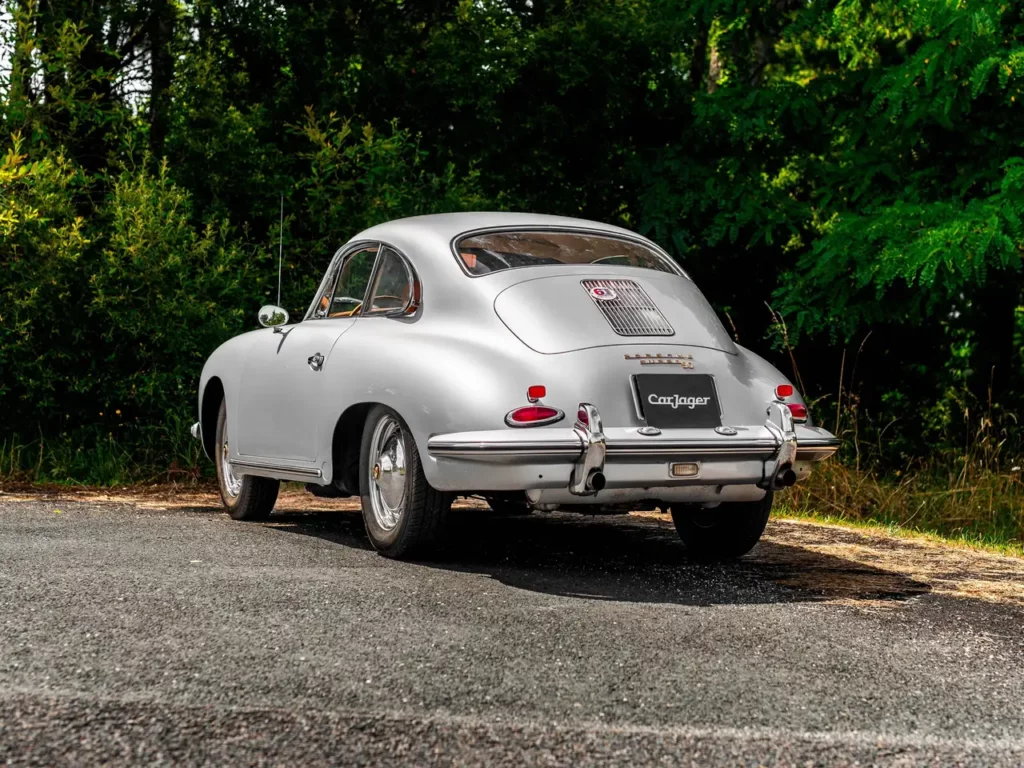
784, 478
596, 481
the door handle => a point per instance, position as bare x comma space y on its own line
316, 362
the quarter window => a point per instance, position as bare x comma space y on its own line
346, 296
393, 286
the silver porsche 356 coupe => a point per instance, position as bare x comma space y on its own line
537, 361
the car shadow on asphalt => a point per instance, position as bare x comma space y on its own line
625, 558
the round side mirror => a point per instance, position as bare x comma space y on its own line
271, 316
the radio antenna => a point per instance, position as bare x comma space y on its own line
280, 252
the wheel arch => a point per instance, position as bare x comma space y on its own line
346, 441
213, 396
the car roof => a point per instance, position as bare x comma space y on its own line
441, 228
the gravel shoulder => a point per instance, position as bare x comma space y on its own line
152, 628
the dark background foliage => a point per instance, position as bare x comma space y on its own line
844, 180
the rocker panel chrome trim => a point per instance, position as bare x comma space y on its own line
284, 470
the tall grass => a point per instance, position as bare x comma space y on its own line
941, 495
91, 458
969, 486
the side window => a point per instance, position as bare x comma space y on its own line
394, 288
345, 297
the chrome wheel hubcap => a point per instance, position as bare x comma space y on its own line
232, 482
387, 472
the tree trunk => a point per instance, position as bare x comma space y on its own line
716, 63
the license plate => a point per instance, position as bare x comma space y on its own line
678, 400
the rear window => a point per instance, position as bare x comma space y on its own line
495, 251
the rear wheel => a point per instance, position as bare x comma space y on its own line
246, 497
724, 532
403, 515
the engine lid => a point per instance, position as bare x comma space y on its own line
563, 313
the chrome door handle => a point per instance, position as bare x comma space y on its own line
316, 362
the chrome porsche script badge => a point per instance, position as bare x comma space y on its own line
683, 361
602, 293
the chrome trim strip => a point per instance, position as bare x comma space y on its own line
275, 468
821, 442
815, 453
684, 450
573, 449
567, 448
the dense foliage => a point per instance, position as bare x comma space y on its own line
844, 179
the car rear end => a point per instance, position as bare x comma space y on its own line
636, 394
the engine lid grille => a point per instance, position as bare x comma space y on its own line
627, 308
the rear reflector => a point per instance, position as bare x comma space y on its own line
583, 417
536, 392
799, 411
783, 391
533, 416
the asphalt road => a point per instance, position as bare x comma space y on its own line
146, 635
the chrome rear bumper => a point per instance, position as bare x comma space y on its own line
621, 457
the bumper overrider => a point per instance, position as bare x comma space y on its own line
562, 465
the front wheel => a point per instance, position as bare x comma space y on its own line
247, 497
724, 532
403, 515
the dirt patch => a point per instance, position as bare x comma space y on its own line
844, 565
893, 564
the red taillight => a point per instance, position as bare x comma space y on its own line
536, 392
783, 391
533, 416
799, 411
583, 417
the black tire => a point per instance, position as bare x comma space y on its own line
256, 495
422, 511
727, 531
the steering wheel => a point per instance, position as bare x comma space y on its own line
346, 312
399, 302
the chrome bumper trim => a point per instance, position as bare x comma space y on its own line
785, 435
447, 448
573, 449
595, 448
809, 449
817, 449
693, 448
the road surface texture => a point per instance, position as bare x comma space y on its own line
157, 630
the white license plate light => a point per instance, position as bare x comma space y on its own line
689, 469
